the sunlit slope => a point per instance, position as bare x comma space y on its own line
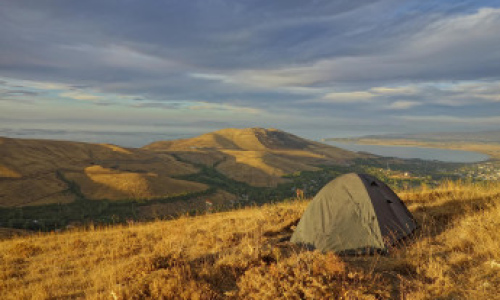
260, 168
34, 172
257, 156
244, 254
237, 139
97, 182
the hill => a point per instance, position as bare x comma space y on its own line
243, 254
35, 172
250, 139
257, 156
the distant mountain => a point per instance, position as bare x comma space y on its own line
487, 142
487, 137
257, 156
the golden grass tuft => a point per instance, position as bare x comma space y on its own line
308, 275
455, 254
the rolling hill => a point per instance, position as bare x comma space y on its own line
35, 172
257, 156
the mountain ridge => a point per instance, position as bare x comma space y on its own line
237, 139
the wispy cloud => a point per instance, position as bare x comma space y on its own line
398, 91
81, 96
446, 119
120, 57
347, 97
403, 105
227, 108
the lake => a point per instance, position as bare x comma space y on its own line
445, 155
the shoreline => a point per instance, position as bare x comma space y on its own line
491, 150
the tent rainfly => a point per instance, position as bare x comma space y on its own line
353, 213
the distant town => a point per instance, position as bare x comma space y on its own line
481, 171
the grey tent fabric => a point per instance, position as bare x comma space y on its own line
354, 212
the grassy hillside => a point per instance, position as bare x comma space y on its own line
36, 172
257, 156
243, 254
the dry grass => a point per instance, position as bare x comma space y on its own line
240, 255
6, 172
97, 182
263, 168
153, 211
9, 233
29, 168
33, 190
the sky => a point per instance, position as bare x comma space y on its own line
314, 68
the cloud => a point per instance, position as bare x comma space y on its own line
197, 105
81, 96
447, 119
347, 97
162, 105
403, 105
22, 93
17, 84
446, 49
17, 93
119, 57
216, 77
226, 107
452, 94
402, 90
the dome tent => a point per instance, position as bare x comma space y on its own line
354, 212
